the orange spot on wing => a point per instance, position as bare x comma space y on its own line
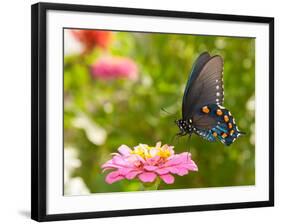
224, 135
219, 112
232, 132
230, 125
205, 109
215, 134
226, 118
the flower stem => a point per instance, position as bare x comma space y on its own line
151, 186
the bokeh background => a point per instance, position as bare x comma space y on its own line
115, 84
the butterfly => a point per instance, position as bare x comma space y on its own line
202, 104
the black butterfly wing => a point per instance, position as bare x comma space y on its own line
205, 85
195, 71
203, 121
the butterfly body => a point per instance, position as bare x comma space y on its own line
202, 110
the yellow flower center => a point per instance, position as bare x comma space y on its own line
164, 153
147, 152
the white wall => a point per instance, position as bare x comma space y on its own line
15, 110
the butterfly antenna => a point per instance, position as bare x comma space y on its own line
173, 138
178, 139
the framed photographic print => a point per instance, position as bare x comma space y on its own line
138, 111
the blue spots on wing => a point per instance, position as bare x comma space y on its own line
225, 130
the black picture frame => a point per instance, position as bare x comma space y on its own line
39, 116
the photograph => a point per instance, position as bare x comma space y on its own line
137, 112
153, 111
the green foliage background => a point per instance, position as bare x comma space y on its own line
130, 111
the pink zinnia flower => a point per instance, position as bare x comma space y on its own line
114, 67
93, 38
147, 163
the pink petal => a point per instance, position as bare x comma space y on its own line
124, 150
167, 178
173, 169
108, 162
181, 171
177, 159
154, 160
132, 174
113, 177
119, 160
162, 171
192, 166
147, 177
124, 171
110, 165
150, 168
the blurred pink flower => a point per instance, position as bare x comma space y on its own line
146, 163
93, 38
114, 67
